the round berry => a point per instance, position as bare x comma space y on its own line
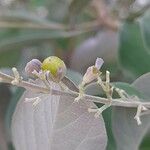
56, 67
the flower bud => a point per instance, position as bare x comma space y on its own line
98, 63
33, 65
90, 75
55, 66
92, 72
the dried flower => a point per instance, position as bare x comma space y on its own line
33, 65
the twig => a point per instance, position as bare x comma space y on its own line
137, 116
135, 14
115, 102
13, 24
104, 17
86, 26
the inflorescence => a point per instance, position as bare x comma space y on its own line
54, 69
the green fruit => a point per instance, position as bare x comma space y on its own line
55, 65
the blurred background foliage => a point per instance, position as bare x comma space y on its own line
78, 31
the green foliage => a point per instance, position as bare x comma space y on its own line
129, 89
67, 29
9, 58
127, 133
134, 56
76, 7
111, 145
11, 108
145, 26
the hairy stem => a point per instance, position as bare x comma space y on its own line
34, 87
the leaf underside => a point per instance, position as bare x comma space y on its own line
127, 133
56, 123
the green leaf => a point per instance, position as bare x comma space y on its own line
94, 89
145, 144
77, 6
5, 96
128, 134
134, 56
145, 26
107, 115
58, 9
142, 84
34, 37
11, 108
9, 58
129, 89
72, 80
74, 76
19, 15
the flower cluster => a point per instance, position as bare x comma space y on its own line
54, 69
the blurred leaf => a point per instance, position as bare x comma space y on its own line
107, 115
127, 133
145, 26
5, 33
94, 89
20, 15
104, 44
9, 58
111, 145
142, 84
3, 143
72, 80
37, 3
5, 95
133, 54
70, 84
131, 90
74, 76
10, 147
56, 123
34, 37
11, 108
145, 144
63, 43
76, 7
58, 9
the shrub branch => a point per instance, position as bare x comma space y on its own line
34, 87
